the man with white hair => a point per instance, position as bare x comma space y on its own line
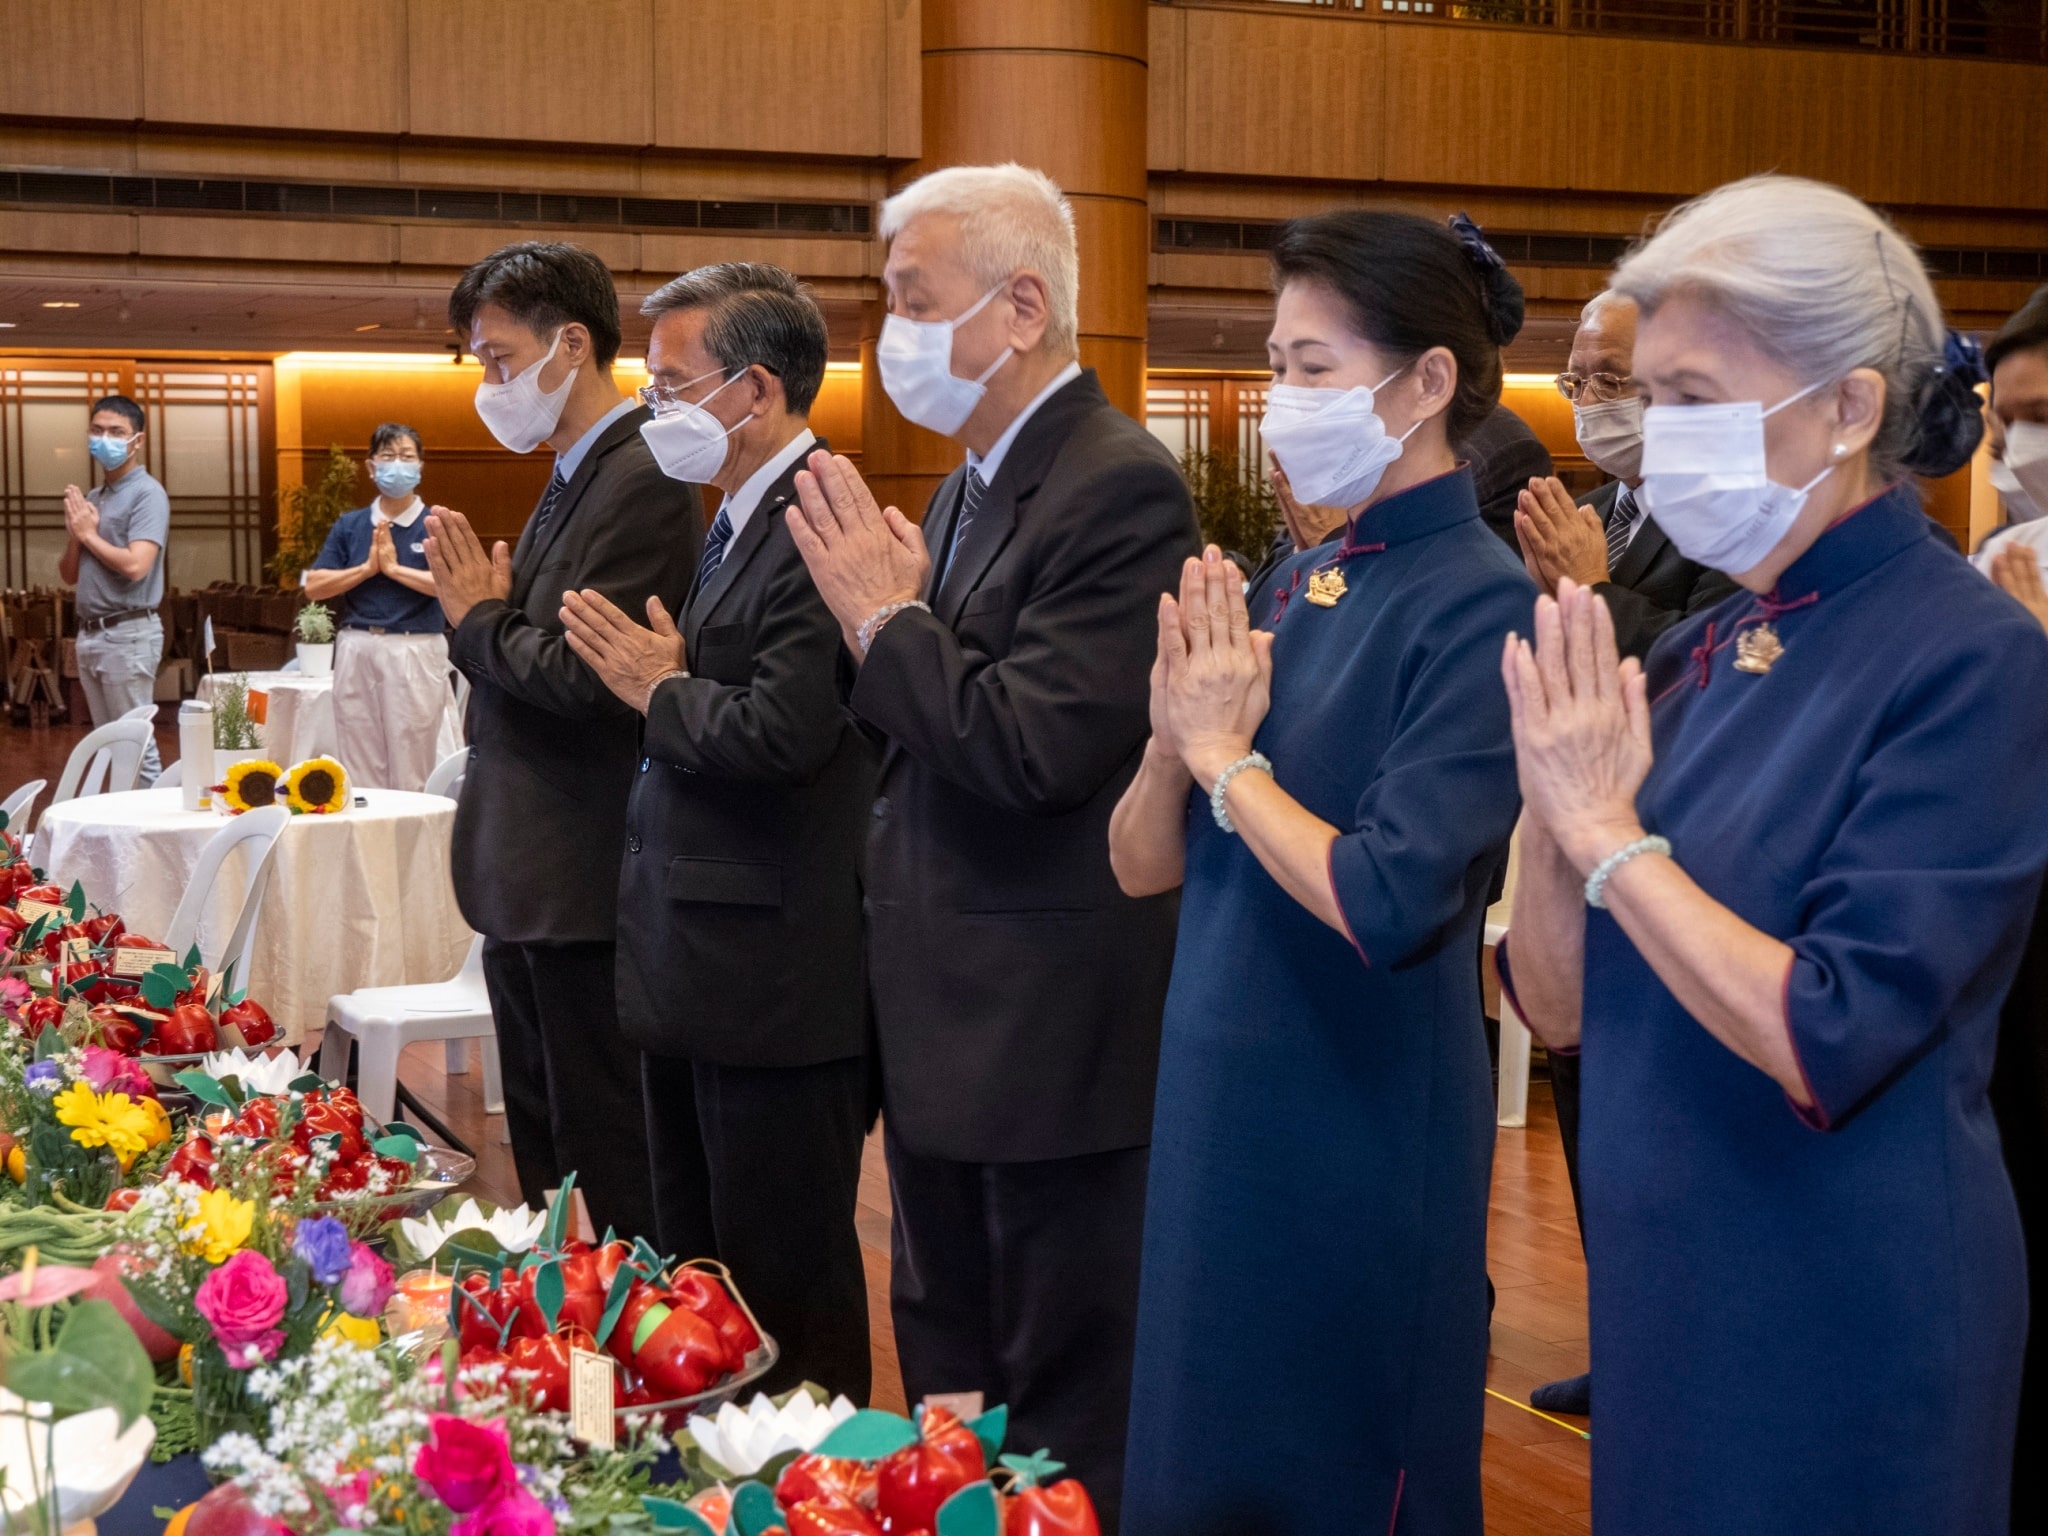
1608, 540
1017, 992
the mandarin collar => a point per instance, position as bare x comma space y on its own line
1429, 507
1855, 544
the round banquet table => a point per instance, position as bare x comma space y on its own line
298, 714
362, 898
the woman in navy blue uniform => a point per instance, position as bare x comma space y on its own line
1775, 885
1331, 793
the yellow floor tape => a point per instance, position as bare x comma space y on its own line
1515, 1402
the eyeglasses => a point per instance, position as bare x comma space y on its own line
1593, 387
663, 399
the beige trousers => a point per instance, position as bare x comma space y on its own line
394, 708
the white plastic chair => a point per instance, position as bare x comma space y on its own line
141, 712
16, 806
448, 774
122, 742
262, 825
291, 665
1512, 1097
173, 775
383, 1021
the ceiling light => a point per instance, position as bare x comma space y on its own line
374, 325
60, 303
6, 325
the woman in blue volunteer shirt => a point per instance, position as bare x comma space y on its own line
391, 680
1775, 884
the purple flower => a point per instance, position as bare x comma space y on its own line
43, 1075
322, 1241
368, 1283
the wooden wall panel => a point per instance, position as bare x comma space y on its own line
97, 234
1166, 93
1489, 108
1651, 117
1114, 237
903, 128
520, 70
72, 58
256, 157
669, 255
1282, 95
266, 239
977, 98
772, 76
430, 245
1099, 26
339, 66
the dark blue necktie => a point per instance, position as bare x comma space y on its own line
970, 503
1621, 518
714, 549
549, 500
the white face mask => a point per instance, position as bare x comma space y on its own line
1611, 433
1705, 483
916, 359
521, 414
689, 442
2024, 483
1331, 442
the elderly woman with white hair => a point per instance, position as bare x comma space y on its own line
1774, 885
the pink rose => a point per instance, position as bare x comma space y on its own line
111, 1072
467, 1465
517, 1513
14, 991
368, 1283
243, 1301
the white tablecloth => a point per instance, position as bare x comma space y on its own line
300, 714
358, 899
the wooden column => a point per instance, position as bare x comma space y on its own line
1058, 85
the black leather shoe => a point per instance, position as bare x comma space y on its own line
1572, 1395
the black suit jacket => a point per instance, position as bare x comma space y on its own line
1653, 585
1505, 456
542, 819
1017, 992
739, 899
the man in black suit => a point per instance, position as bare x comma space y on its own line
1505, 455
1017, 992
1609, 541
541, 825
740, 968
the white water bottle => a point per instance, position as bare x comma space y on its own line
195, 751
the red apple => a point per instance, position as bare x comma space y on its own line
110, 1267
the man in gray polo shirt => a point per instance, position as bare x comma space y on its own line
115, 558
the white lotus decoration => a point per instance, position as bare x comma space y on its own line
743, 1440
94, 1458
257, 1073
514, 1230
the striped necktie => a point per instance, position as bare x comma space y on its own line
714, 549
549, 500
970, 503
1621, 518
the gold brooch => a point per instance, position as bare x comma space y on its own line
1325, 587
1758, 649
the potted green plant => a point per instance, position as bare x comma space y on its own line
315, 628
236, 736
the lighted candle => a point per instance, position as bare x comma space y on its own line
426, 1293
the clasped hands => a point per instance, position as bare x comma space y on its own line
464, 574
81, 517
863, 556
1212, 677
1559, 538
1581, 720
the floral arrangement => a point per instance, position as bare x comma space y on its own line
234, 728
249, 785
79, 1120
316, 787
315, 624
364, 1440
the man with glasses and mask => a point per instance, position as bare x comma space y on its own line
1003, 654
390, 657
541, 827
1608, 540
740, 970
114, 557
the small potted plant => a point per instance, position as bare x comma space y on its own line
315, 628
236, 737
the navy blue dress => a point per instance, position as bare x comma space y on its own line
1312, 1321
1812, 1322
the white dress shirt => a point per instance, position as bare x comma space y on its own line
566, 463
987, 465
740, 505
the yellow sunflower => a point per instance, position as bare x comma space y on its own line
318, 785
251, 784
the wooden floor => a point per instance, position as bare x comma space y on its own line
1535, 1472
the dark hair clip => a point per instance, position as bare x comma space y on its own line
1961, 356
1477, 251
1950, 421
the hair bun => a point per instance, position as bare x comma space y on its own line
1949, 416
1502, 295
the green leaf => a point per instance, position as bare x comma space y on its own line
615, 1302
989, 1428
37, 932
193, 960
49, 1042
1036, 1470
673, 1515
470, 1255
161, 985
75, 902
869, 1435
97, 1362
753, 1510
548, 1291
970, 1512
557, 1228
307, 1082
404, 1148
204, 1088
406, 1128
